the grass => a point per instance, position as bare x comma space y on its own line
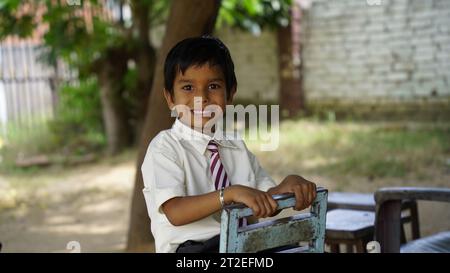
19, 141
373, 150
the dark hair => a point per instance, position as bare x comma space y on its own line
198, 51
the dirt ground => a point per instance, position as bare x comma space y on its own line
90, 204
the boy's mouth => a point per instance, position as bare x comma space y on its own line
203, 113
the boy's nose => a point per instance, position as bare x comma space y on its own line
201, 100
204, 95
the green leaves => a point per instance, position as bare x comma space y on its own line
254, 15
11, 22
79, 41
77, 126
79, 34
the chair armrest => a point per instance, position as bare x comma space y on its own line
285, 200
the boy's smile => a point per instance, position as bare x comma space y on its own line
199, 94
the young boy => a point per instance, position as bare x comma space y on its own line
190, 171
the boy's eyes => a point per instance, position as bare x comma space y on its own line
187, 87
214, 86
211, 86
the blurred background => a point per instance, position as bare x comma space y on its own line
363, 87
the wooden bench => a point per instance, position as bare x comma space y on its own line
388, 219
303, 227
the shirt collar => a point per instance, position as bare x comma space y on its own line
199, 140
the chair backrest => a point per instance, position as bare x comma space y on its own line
303, 227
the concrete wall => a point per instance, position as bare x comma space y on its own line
256, 64
255, 59
395, 52
393, 57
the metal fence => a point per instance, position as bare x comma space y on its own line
28, 86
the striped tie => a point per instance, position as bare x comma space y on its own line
218, 173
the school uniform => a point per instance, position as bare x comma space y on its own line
178, 163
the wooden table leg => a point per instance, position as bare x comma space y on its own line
349, 248
361, 246
414, 221
334, 248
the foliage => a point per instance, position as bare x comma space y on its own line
80, 36
254, 15
72, 35
10, 23
78, 122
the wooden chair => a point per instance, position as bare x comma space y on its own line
366, 202
303, 227
351, 220
388, 220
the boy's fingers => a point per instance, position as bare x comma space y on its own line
272, 201
311, 197
308, 193
299, 198
313, 192
255, 208
270, 207
267, 206
305, 192
262, 207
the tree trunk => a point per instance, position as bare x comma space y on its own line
110, 73
289, 52
187, 18
145, 63
145, 58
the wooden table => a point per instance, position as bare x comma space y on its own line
366, 202
349, 227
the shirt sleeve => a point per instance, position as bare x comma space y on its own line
263, 181
163, 176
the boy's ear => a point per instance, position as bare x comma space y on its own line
169, 99
231, 97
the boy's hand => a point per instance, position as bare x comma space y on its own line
262, 203
304, 190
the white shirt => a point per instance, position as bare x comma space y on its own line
177, 164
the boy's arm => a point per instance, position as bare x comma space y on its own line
187, 209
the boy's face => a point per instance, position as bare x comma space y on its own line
207, 85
